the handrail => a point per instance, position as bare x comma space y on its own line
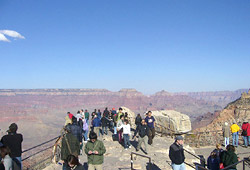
191, 153
40, 144
145, 156
243, 160
37, 152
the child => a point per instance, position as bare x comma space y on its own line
126, 134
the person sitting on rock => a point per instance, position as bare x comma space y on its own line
142, 130
176, 154
73, 163
95, 150
150, 120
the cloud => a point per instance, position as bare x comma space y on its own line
10, 33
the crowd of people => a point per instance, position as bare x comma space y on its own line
81, 132
83, 129
234, 129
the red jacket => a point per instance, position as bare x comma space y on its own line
246, 126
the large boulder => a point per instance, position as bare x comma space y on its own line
171, 119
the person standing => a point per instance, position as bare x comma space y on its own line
114, 117
142, 130
96, 125
119, 128
246, 133
119, 114
85, 130
13, 141
86, 115
76, 130
126, 134
70, 146
235, 133
176, 154
104, 121
94, 150
226, 134
150, 120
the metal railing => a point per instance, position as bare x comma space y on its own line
132, 160
242, 161
39, 152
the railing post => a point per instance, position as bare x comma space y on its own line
150, 164
132, 161
244, 164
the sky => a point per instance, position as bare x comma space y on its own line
149, 45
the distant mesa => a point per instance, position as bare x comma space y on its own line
245, 95
163, 93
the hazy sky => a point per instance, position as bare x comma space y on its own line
150, 45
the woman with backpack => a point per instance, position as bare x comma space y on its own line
246, 133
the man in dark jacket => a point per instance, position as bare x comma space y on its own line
95, 149
14, 141
76, 130
176, 154
142, 130
70, 146
96, 123
104, 121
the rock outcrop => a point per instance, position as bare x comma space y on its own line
238, 111
171, 119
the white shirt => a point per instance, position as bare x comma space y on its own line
126, 129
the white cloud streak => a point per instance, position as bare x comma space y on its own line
10, 33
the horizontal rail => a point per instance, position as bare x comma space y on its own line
145, 156
196, 156
190, 165
234, 164
37, 153
40, 162
40, 144
132, 162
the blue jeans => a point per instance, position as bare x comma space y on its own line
226, 141
115, 130
20, 160
106, 130
235, 138
126, 140
85, 135
246, 140
178, 167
